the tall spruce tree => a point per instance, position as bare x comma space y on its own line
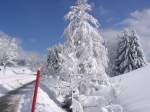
83, 62
86, 44
130, 54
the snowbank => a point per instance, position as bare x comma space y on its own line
44, 103
135, 90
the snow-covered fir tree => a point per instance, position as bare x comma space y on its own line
54, 60
82, 61
83, 55
86, 44
130, 55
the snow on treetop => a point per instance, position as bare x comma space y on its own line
81, 1
79, 14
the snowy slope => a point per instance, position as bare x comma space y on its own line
44, 103
135, 90
13, 78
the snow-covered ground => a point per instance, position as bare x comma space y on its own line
135, 90
14, 77
44, 103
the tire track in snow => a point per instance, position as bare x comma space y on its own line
10, 102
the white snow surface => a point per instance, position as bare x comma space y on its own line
44, 103
134, 93
13, 78
135, 90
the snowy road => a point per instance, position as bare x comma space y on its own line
10, 102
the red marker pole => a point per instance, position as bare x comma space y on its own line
35, 91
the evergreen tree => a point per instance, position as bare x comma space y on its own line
54, 61
86, 44
83, 60
137, 51
130, 55
83, 55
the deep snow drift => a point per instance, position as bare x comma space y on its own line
135, 90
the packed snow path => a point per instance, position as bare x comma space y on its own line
10, 102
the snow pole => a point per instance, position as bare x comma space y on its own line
35, 91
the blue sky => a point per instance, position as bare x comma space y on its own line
39, 24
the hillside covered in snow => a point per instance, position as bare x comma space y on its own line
14, 77
134, 90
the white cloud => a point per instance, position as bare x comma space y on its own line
140, 21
